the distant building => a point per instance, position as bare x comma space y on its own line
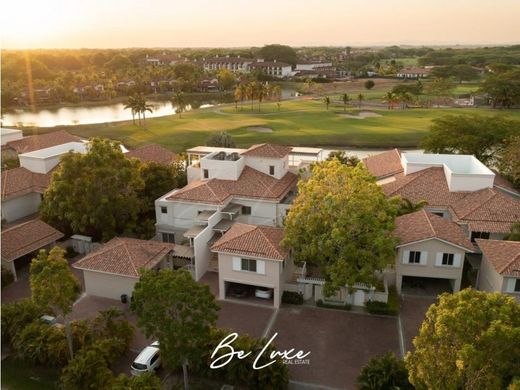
162, 59
313, 65
413, 73
272, 68
233, 64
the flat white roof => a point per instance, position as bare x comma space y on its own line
6, 131
456, 163
211, 149
57, 150
306, 151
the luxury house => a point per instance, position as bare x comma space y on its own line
271, 68
233, 64
413, 73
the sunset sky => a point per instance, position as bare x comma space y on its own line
226, 23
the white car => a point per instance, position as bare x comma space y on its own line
264, 293
147, 361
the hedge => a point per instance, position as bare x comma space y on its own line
7, 277
391, 308
345, 306
292, 297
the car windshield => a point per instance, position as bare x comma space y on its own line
139, 366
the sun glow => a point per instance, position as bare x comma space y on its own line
32, 23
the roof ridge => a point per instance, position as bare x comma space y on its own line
434, 232
418, 174
129, 256
22, 224
269, 241
509, 263
478, 205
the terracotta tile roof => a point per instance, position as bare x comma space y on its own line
251, 184
252, 240
487, 210
384, 164
42, 141
504, 184
268, 150
27, 237
152, 153
428, 184
422, 225
125, 256
504, 256
20, 181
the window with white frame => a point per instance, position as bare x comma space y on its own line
447, 258
414, 257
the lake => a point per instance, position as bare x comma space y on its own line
103, 113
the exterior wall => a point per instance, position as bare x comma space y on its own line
508, 288
262, 213
270, 278
428, 267
313, 66
222, 169
488, 278
281, 165
39, 165
201, 249
10, 266
11, 135
193, 173
108, 285
179, 215
21, 206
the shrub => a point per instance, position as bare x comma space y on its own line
146, 381
391, 308
345, 306
16, 315
369, 84
240, 372
292, 297
89, 368
384, 372
111, 324
42, 343
7, 277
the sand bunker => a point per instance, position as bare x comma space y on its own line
361, 115
260, 129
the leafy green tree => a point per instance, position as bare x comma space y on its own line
112, 324
514, 235
326, 100
221, 139
369, 84
384, 372
277, 52
345, 99
509, 160
178, 103
463, 72
503, 88
226, 79
95, 194
7, 276
390, 99
344, 158
360, 99
17, 315
176, 310
439, 87
406, 206
54, 286
342, 221
118, 62
89, 368
146, 381
479, 135
469, 340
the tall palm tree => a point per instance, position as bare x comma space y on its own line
261, 92
178, 103
406, 206
131, 104
390, 99
326, 100
243, 94
251, 92
360, 99
143, 107
345, 98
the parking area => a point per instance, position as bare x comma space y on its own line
413, 309
340, 342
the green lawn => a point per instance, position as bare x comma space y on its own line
18, 375
299, 122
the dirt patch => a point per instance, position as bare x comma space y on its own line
361, 115
260, 129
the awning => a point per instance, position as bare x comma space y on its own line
183, 251
232, 209
204, 215
223, 226
194, 231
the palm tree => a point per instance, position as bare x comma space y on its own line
131, 104
404, 98
243, 94
251, 93
261, 92
143, 107
406, 206
389, 98
360, 99
326, 100
345, 98
178, 103
237, 95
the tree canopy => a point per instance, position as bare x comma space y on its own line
342, 220
469, 340
176, 310
503, 88
509, 160
479, 135
221, 139
277, 52
96, 193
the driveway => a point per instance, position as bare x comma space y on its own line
340, 343
413, 309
